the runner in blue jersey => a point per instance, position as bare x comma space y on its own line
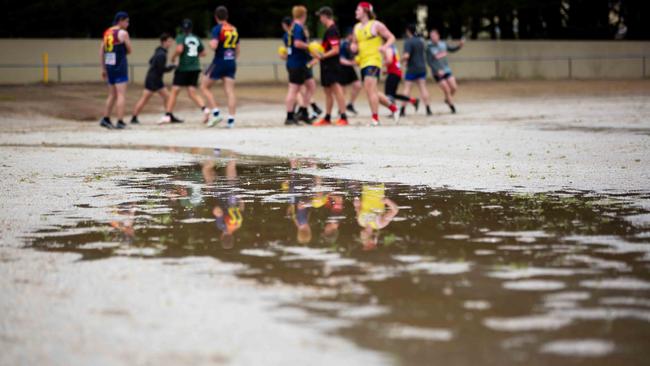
299, 73
225, 43
116, 44
310, 85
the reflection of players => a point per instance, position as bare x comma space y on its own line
372, 214
126, 227
298, 210
334, 205
437, 52
228, 211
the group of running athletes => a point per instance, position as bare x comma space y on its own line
370, 45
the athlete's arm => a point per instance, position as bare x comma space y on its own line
124, 37
457, 47
101, 60
354, 45
177, 52
237, 51
382, 31
214, 43
386, 218
346, 62
332, 52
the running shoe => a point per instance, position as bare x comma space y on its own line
416, 104
174, 119
402, 111
350, 108
316, 109
135, 120
164, 119
120, 125
303, 117
214, 119
230, 123
322, 122
290, 122
374, 123
342, 122
206, 115
106, 123
396, 117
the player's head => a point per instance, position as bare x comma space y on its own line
121, 19
286, 23
325, 14
221, 13
411, 30
186, 26
365, 11
299, 12
434, 35
349, 33
166, 40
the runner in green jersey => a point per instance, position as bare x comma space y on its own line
189, 50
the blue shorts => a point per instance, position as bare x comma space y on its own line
117, 76
415, 76
221, 70
370, 71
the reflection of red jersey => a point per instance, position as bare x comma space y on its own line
393, 67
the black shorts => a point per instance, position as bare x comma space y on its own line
440, 78
153, 83
186, 78
329, 74
298, 75
391, 85
348, 75
370, 71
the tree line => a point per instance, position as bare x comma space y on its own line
474, 19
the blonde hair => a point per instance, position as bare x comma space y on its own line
298, 11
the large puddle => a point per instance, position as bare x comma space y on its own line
422, 274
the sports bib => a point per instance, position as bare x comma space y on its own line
110, 58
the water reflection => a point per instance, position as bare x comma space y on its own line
419, 273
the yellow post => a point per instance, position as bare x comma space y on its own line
46, 68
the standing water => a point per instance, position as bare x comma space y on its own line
426, 275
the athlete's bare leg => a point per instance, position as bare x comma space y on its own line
329, 100
310, 90
110, 100
171, 103
206, 84
292, 94
144, 99
191, 92
120, 101
337, 93
407, 90
355, 90
370, 84
229, 90
444, 86
164, 94
453, 86
424, 91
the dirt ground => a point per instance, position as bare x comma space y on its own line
84, 102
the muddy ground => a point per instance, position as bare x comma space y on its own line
530, 136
